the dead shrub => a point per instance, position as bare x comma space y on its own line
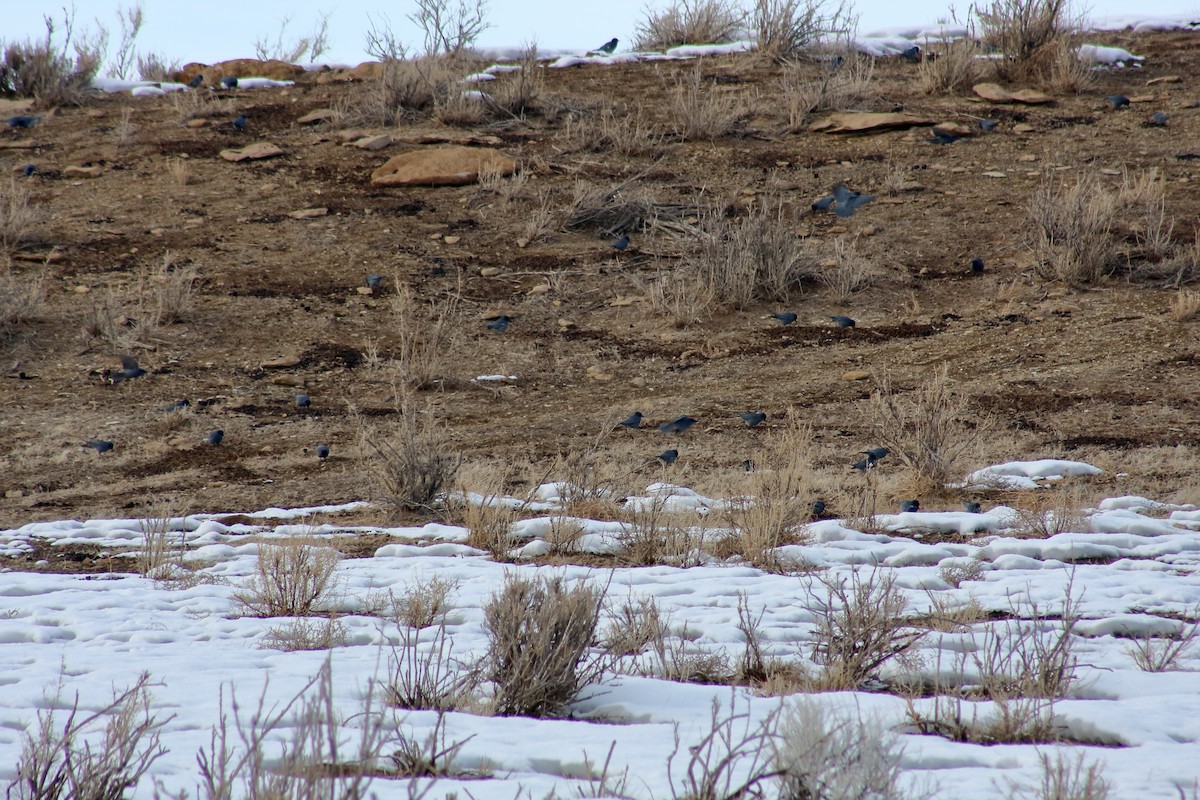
1162, 653
753, 258
776, 501
845, 87
925, 429
516, 93
699, 111
786, 28
180, 171
162, 551
1064, 777
164, 294
955, 70
157, 67
1047, 514
411, 464
17, 215
1025, 33
847, 271
732, 759
689, 22
653, 532
424, 602
449, 27
424, 674
539, 631
98, 755
677, 657
483, 509
293, 578
55, 73
684, 301
1005, 687
292, 51
425, 335
635, 627
462, 108
543, 217
1067, 72
431, 758
404, 90
125, 132
860, 625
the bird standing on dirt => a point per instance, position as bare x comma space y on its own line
786, 317
976, 266
607, 48
229, 82
667, 457
215, 437
1159, 120
374, 281
322, 451
753, 418
842, 322
23, 122
944, 137
620, 244
910, 506
1118, 101
99, 445
195, 82
988, 125
912, 55
634, 420
500, 323
302, 400
678, 425
971, 507
239, 122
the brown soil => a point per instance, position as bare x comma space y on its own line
1094, 373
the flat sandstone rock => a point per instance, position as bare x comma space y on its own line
441, 166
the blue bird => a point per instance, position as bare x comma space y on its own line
988, 125
817, 509
178, 405
302, 400
823, 204
833, 64
976, 266
752, 418
634, 420
374, 281
608, 47
239, 122
23, 122
620, 244
500, 323
971, 507
129, 370
848, 202
678, 425
864, 465
29, 169
912, 55
1159, 119
195, 82
786, 317
229, 82
943, 137
876, 453
322, 451
909, 506
215, 437
667, 457
1118, 101
99, 445
842, 322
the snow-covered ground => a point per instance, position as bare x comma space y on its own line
1132, 564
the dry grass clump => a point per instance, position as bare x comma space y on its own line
464, 108
1162, 654
180, 171
1185, 305
846, 271
55, 73
306, 633
785, 29
676, 657
163, 549
21, 300
689, 22
404, 90
164, 293
515, 94
955, 70
1065, 777
97, 755
750, 259
423, 672
776, 499
483, 509
925, 429
653, 533
539, 632
293, 578
1026, 32
411, 464
835, 89
635, 626
423, 603
17, 215
425, 336
698, 111
629, 135
1049, 513
860, 625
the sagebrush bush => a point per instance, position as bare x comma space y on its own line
689, 22
51, 72
412, 464
1025, 33
699, 111
17, 214
21, 300
785, 29
539, 632
293, 577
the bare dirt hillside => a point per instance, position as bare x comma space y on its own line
1098, 371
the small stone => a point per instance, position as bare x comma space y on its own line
283, 362
1027, 157
566, 324
83, 172
1023, 127
489, 272
541, 288
522, 243
373, 142
196, 123
294, 381
855, 375
1165, 79
994, 174
308, 213
317, 115
82, 289
252, 152
638, 383
452, 239
365, 290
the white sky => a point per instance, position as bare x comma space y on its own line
214, 30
